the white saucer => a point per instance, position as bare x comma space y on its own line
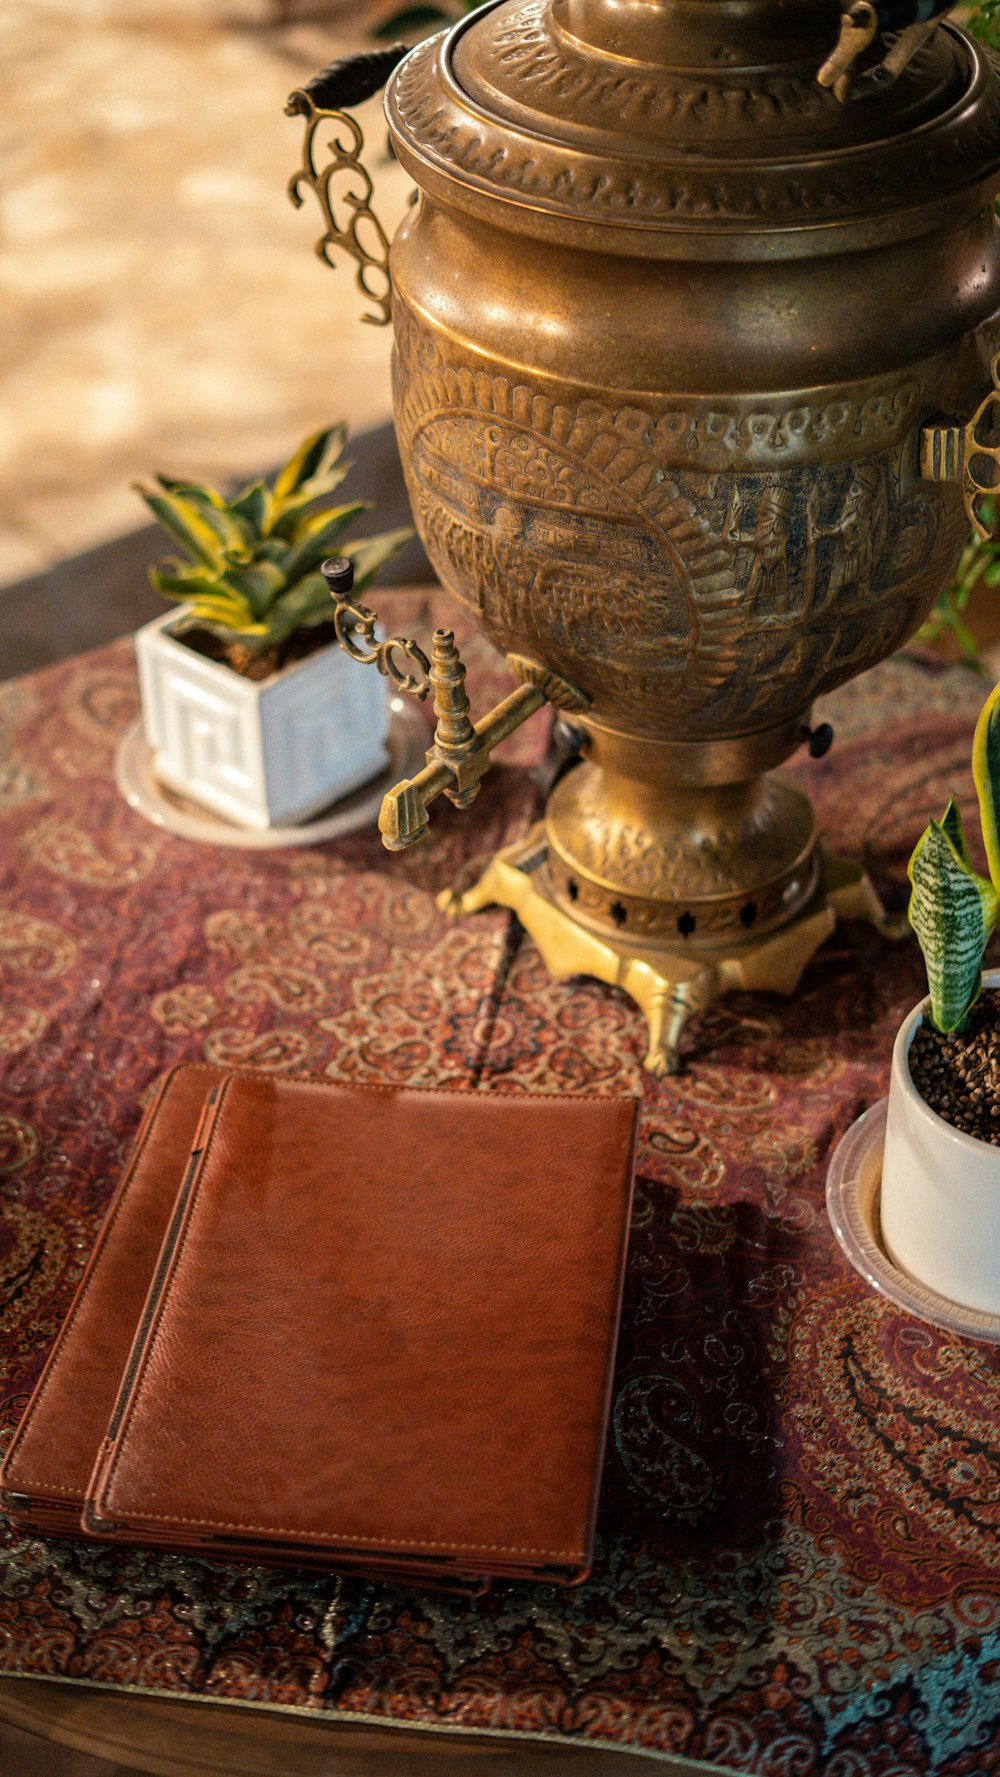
407, 741
853, 1184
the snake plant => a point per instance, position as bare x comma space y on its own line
252, 574
953, 909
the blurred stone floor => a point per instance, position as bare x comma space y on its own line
161, 306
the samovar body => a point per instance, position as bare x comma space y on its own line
680, 335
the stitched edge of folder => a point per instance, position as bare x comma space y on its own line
53, 1360
121, 1192
331, 1538
347, 1539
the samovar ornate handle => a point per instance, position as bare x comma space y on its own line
967, 452
323, 100
860, 24
461, 753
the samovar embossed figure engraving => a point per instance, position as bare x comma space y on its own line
695, 317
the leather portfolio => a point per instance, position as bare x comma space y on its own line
48, 1465
380, 1335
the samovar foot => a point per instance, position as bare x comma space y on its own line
506, 881
668, 986
668, 1005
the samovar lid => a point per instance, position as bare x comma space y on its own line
692, 127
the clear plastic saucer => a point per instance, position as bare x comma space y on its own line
407, 741
853, 1185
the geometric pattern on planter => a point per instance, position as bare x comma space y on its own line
263, 753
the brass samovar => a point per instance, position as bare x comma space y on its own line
696, 313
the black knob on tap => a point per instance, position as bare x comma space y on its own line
338, 572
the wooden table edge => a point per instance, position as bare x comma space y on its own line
171, 1737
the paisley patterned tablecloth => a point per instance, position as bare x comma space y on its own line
797, 1565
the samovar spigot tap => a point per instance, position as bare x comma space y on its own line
462, 750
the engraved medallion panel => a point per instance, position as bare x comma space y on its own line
689, 603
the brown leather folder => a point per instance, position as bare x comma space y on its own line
381, 1334
43, 1480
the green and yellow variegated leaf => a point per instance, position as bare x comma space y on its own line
187, 524
254, 507
225, 616
253, 561
953, 910
272, 549
182, 580
259, 585
235, 536
986, 772
302, 607
952, 828
315, 537
321, 450
286, 515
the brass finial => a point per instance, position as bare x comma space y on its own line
455, 739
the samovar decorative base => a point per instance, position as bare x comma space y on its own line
668, 984
677, 871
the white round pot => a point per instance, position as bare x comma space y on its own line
940, 1198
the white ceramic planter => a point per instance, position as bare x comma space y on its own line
940, 1199
267, 754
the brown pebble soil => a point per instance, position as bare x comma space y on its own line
959, 1075
259, 664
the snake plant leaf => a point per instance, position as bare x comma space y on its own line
952, 910
986, 772
215, 611
315, 537
369, 554
286, 514
211, 602
183, 580
186, 523
202, 506
303, 606
952, 828
236, 536
259, 586
253, 506
272, 549
321, 448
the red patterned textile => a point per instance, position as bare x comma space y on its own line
797, 1566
